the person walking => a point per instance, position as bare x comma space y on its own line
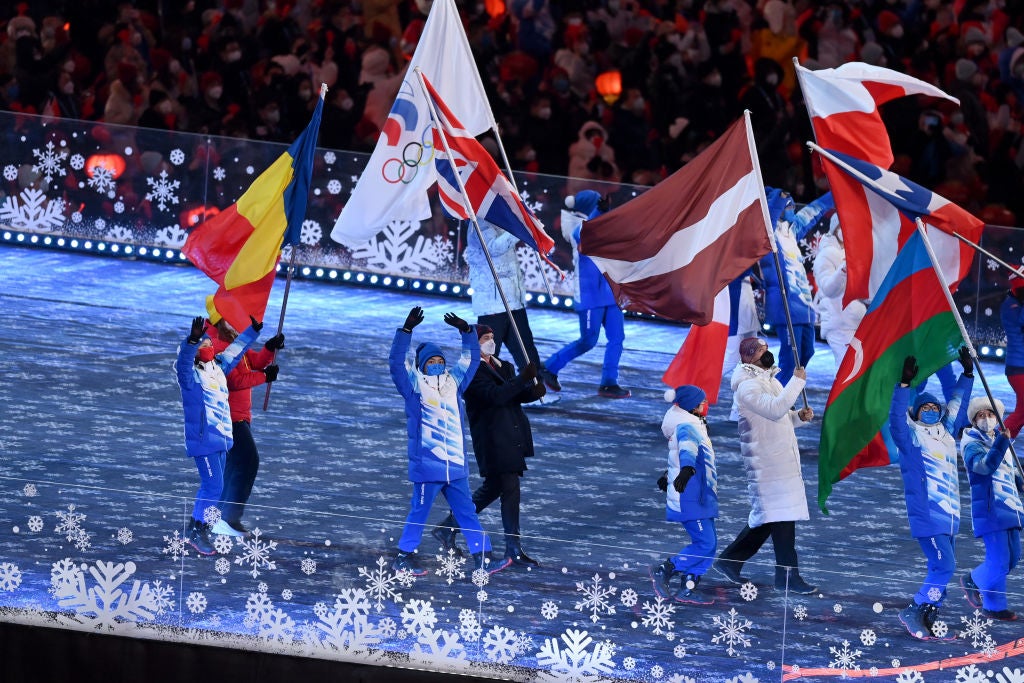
436, 450
502, 440
771, 458
692, 497
838, 323
997, 513
922, 429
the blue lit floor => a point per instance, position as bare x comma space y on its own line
91, 418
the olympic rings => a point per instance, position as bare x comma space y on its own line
414, 155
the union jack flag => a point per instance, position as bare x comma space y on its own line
490, 193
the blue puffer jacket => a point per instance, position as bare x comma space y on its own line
204, 394
690, 446
995, 503
790, 228
1012, 315
931, 483
593, 290
502, 247
433, 409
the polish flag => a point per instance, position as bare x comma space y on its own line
671, 250
843, 106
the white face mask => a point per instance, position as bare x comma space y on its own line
987, 424
487, 347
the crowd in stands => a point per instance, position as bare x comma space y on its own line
252, 69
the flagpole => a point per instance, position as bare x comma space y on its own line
1016, 271
775, 250
963, 333
472, 215
512, 179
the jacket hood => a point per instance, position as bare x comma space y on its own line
592, 125
745, 371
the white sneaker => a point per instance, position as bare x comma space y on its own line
222, 528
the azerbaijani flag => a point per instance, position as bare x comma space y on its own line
909, 316
239, 248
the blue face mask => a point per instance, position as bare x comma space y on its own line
929, 417
434, 370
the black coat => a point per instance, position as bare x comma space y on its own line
501, 433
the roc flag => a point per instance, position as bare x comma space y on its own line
672, 249
488, 191
701, 357
843, 106
909, 316
394, 184
889, 193
239, 248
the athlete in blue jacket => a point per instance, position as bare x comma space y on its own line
200, 373
434, 422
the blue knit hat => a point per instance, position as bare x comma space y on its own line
922, 398
425, 352
585, 202
686, 397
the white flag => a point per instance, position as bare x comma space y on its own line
401, 169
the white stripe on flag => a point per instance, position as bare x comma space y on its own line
682, 248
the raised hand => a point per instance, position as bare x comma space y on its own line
457, 322
198, 327
256, 324
414, 318
909, 370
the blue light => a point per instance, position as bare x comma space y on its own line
999, 352
766, 327
181, 256
21, 238
115, 248
128, 249
456, 289
568, 302
469, 291
7, 235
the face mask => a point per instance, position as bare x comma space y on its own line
434, 370
215, 93
544, 113
233, 56
487, 347
701, 410
987, 424
714, 81
69, 88
929, 417
772, 79
273, 116
767, 360
347, 104
206, 354
304, 95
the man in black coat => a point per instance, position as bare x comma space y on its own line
502, 441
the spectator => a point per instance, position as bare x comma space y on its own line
779, 42
769, 119
1011, 313
590, 158
772, 461
124, 101
838, 322
923, 433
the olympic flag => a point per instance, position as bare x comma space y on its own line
401, 169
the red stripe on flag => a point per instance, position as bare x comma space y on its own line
875, 454
699, 360
238, 304
213, 245
859, 134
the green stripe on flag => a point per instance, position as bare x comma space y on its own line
855, 415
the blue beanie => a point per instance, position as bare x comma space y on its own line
425, 352
922, 398
586, 202
688, 396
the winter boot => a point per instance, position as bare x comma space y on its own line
689, 595
661, 576
483, 560
913, 617
518, 556
971, 591
937, 629
199, 538
788, 579
613, 391
445, 533
730, 571
550, 379
1000, 614
407, 562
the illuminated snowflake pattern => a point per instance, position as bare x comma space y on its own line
219, 173
196, 602
800, 612
50, 162
418, 616
381, 584
732, 631
970, 674
171, 236
31, 210
450, 566
500, 644
481, 577
10, 172
177, 157
934, 594
748, 591
30, 491
222, 566
308, 566
572, 661
595, 598
222, 544
910, 676
102, 180
175, 546
70, 523
868, 637
124, 536
258, 605
77, 162
940, 629
310, 233
330, 158
679, 651
844, 658
163, 596
35, 523
975, 629
628, 597
334, 187
549, 610
10, 577
163, 191
256, 554
657, 615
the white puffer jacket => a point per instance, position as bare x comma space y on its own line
502, 247
830, 276
768, 444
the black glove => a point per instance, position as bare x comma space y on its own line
271, 372
529, 373
538, 390
414, 318
198, 327
457, 322
275, 343
605, 202
256, 324
966, 361
909, 370
663, 481
679, 483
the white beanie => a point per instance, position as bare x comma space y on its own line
980, 403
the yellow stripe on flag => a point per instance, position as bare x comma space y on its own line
263, 206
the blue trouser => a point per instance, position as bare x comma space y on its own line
1002, 553
697, 557
941, 566
461, 504
804, 335
211, 482
591, 321
240, 469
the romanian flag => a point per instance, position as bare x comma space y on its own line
239, 248
909, 316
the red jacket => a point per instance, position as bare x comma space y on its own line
243, 378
